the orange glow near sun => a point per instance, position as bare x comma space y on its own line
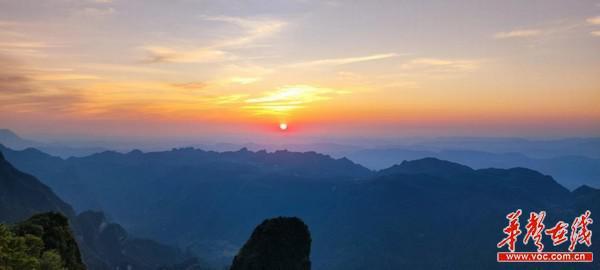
283, 126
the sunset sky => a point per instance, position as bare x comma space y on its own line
326, 68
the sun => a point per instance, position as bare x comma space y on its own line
283, 126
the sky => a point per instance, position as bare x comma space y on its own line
238, 69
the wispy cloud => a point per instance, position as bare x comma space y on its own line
41, 102
442, 65
157, 54
131, 69
190, 85
95, 12
12, 80
519, 33
24, 45
64, 77
229, 99
244, 80
554, 29
20, 91
12, 83
344, 61
289, 98
25, 48
593, 20
213, 84
253, 30
8, 23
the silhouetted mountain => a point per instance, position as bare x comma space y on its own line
21, 195
584, 191
587, 198
423, 214
432, 166
276, 244
103, 245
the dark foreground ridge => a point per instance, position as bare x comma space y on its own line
281, 243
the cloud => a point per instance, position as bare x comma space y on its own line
402, 84
42, 102
247, 70
8, 23
521, 33
289, 98
593, 20
344, 61
122, 68
25, 48
12, 80
554, 28
254, 29
14, 83
64, 77
24, 45
595, 33
21, 92
442, 65
97, 12
157, 54
229, 99
190, 85
244, 80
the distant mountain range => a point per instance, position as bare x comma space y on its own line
570, 171
421, 214
571, 161
14, 141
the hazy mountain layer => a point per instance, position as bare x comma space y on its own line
209, 203
571, 171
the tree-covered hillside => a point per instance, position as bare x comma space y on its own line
44, 241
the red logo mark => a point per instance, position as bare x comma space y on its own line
535, 226
580, 234
512, 230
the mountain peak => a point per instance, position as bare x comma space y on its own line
8, 134
431, 166
584, 190
11, 139
277, 243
